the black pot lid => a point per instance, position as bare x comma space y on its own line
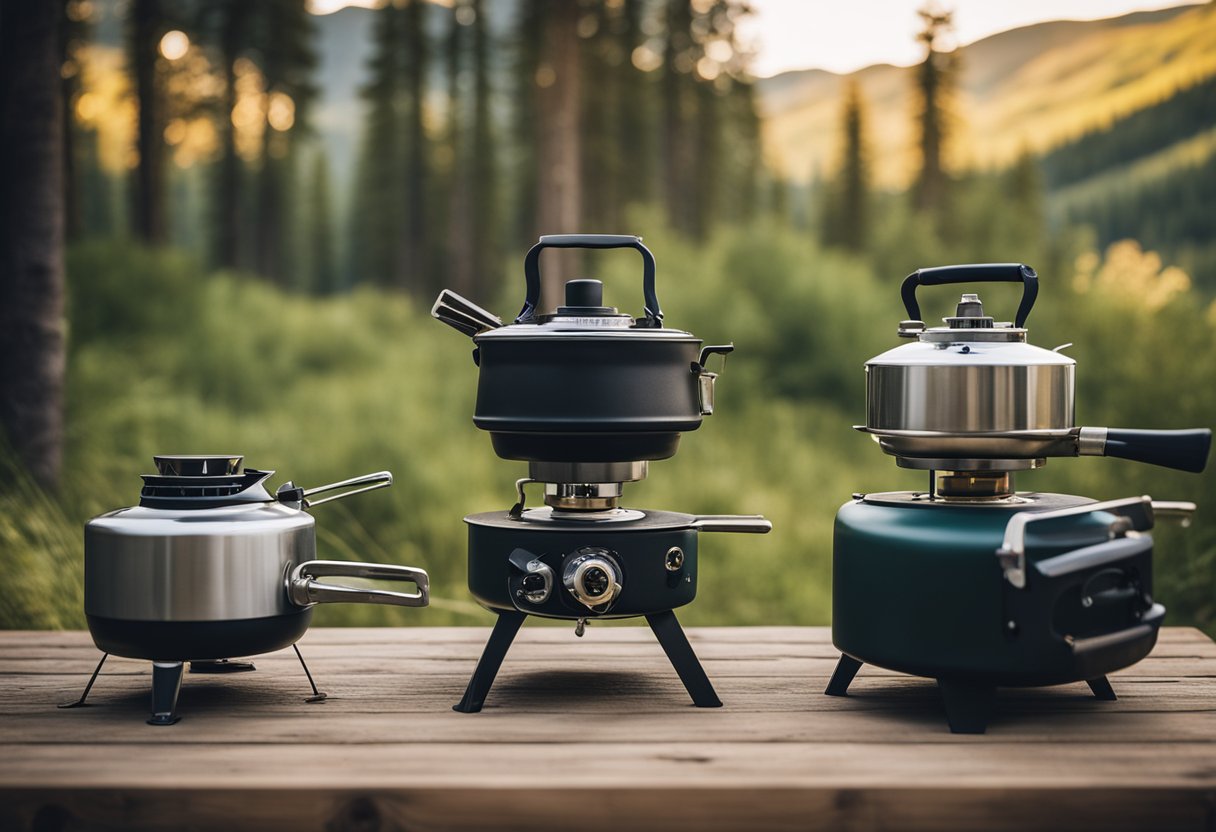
584, 315
186, 481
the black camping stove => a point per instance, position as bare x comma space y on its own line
583, 558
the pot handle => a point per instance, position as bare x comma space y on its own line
654, 315
973, 273
1182, 450
304, 589
289, 492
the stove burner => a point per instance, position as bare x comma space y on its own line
554, 515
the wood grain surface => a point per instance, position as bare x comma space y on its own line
590, 734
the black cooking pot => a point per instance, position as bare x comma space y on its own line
586, 383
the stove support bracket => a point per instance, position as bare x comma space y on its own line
1102, 689
675, 644
79, 703
968, 706
166, 685
495, 651
842, 676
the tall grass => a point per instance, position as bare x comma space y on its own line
166, 359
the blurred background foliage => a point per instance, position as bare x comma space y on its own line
252, 257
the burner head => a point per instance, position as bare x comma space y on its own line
585, 486
974, 486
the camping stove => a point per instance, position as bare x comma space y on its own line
973, 583
583, 557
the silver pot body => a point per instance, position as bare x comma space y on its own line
970, 387
221, 564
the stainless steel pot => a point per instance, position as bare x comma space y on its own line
210, 565
974, 394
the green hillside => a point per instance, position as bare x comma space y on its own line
1030, 88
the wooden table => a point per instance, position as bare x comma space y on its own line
592, 733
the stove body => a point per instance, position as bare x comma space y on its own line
651, 557
581, 558
919, 588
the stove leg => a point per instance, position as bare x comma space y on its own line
166, 684
317, 696
495, 651
675, 644
842, 676
1102, 689
79, 703
968, 706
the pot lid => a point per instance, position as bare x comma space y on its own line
202, 481
584, 315
970, 336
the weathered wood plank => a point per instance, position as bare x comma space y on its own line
595, 809
595, 724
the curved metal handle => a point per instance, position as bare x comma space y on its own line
1133, 513
973, 273
289, 492
303, 589
654, 315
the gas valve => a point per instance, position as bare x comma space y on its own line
593, 577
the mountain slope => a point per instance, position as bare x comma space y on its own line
1029, 88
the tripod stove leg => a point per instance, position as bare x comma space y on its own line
317, 696
842, 676
166, 684
675, 644
495, 651
968, 706
79, 703
1102, 689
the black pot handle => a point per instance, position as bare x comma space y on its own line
973, 273
1183, 450
654, 315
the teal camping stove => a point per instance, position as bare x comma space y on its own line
970, 582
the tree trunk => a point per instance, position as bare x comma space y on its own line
31, 236
415, 266
146, 25
460, 245
559, 147
227, 205
484, 190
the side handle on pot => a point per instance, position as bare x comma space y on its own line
973, 273
1182, 450
706, 380
654, 315
304, 589
289, 492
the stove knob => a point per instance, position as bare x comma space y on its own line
674, 560
593, 577
537, 583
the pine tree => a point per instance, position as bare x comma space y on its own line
484, 165
377, 217
230, 30
559, 185
935, 77
146, 29
31, 236
846, 213
287, 61
320, 239
416, 264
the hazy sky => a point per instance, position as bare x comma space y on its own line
843, 35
